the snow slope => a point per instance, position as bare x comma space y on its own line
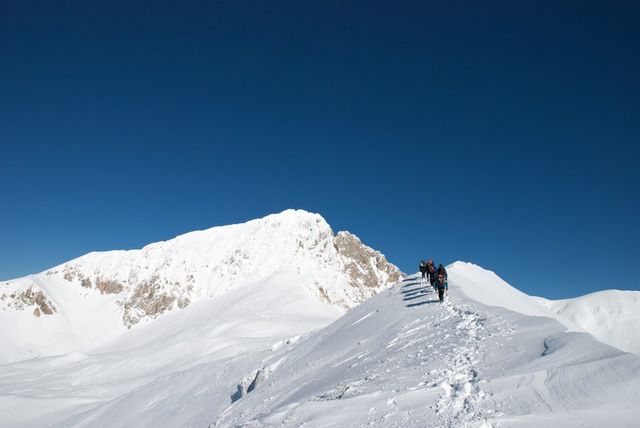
265, 339
611, 316
486, 287
403, 360
398, 359
94, 299
210, 345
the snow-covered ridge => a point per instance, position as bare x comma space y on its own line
140, 285
611, 316
486, 287
271, 353
403, 359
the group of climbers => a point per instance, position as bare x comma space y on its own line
437, 277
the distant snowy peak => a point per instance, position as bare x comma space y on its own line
167, 275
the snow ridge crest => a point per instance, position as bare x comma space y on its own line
143, 284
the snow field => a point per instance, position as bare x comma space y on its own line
415, 365
266, 342
249, 358
172, 371
402, 359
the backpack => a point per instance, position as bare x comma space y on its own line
442, 271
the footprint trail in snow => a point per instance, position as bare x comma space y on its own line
414, 364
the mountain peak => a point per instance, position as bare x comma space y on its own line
141, 285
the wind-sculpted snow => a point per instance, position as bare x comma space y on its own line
486, 287
400, 359
261, 339
138, 286
404, 360
250, 358
611, 316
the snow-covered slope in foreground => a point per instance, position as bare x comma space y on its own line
142, 374
403, 360
400, 359
95, 298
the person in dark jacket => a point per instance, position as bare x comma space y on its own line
442, 270
431, 272
432, 275
441, 284
423, 268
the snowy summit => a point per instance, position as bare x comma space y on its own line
279, 322
96, 297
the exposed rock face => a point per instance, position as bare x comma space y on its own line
147, 300
105, 286
368, 270
27, 298
183, 302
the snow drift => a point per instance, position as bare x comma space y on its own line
611, 316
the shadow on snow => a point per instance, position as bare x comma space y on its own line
411, 305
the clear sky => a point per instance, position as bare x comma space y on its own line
502, 133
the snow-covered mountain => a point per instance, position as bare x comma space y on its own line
93, 299
273, 350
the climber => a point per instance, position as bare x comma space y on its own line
442, 285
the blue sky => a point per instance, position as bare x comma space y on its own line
502, 133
